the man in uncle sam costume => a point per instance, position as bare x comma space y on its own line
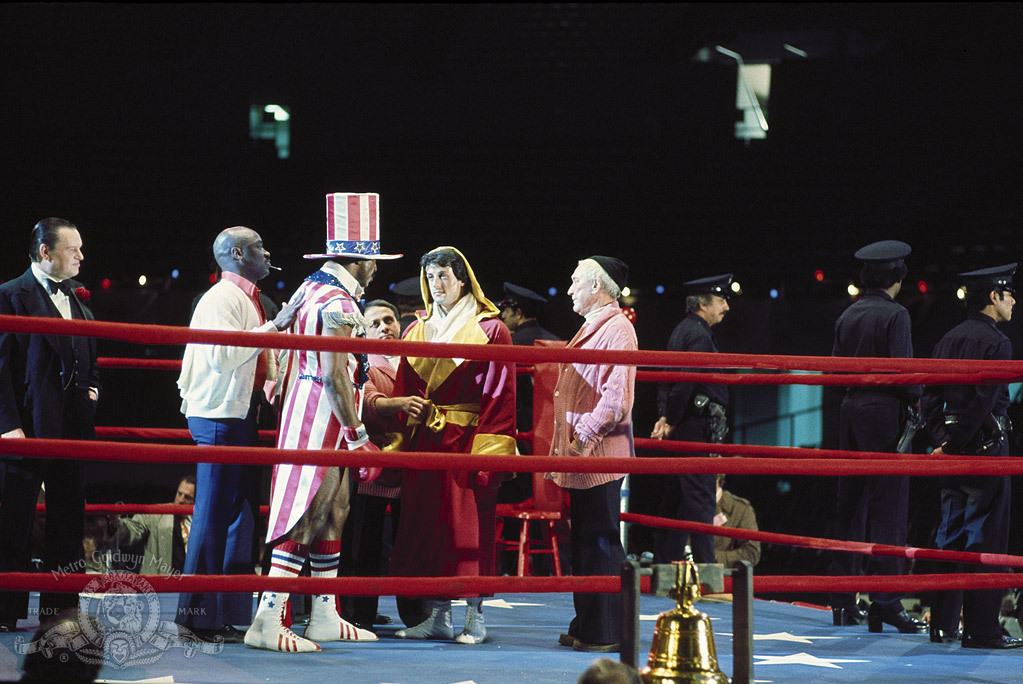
321, 404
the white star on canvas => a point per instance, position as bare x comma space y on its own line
496, 603
784, 636
804, 659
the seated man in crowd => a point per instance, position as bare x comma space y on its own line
734, 511
165, 537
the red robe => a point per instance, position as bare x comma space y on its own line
447, 521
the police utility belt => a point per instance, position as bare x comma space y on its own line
715, 414
993, 433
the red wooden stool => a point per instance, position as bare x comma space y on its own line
528, 547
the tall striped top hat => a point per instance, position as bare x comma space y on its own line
353, 227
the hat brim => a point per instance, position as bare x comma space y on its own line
373, 257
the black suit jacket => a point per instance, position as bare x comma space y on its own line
34, 368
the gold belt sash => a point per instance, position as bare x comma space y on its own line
439, 415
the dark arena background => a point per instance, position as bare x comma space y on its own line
529, 136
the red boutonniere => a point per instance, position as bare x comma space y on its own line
83, 294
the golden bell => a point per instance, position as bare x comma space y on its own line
683, 648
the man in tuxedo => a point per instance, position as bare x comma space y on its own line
49, 386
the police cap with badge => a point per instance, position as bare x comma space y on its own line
998, 278
720, 285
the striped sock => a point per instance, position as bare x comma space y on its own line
325, 558
286, 560
323, 562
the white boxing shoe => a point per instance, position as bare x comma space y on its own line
334, 628
269, 633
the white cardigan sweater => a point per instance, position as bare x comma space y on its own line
216, 380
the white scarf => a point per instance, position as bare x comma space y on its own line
442, 327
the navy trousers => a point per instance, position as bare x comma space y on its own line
870, 508
220, 541
688, 496
974, 517
597, 550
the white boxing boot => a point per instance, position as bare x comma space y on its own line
268, 631
326, 625
436, 626
474, 632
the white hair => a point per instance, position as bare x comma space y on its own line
591, 270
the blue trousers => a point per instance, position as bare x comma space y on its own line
596, 550
220, 541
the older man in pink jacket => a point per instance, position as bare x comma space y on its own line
592, 418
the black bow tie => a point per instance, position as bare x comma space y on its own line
54, 286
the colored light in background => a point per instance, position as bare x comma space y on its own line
852, 290
213, 278
659, 289
923, 286
552, 291
143, 280
105, 283
773, 294
280, 284
961, 293
175, 273
626, 291
736, 287
818, 275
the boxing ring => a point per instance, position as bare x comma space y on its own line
788, 642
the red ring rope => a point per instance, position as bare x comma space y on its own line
998, 559
458, 587
166, 334
177, 453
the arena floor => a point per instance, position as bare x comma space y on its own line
792, 644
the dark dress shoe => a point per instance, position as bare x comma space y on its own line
999, 641
595, 648
844, 617
226, 634
382, 620
567, 640
942, 636
900, 620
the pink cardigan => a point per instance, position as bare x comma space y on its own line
594, 401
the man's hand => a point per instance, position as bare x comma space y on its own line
415, 407
938, 451
661, 429
286, 316
16, 433
577, 448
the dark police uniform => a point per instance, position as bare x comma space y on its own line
691, 407
971, 419
871, 419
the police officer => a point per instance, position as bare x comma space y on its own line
694, 412
519, 310
972, 419
873, 419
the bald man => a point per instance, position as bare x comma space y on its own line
219, 386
